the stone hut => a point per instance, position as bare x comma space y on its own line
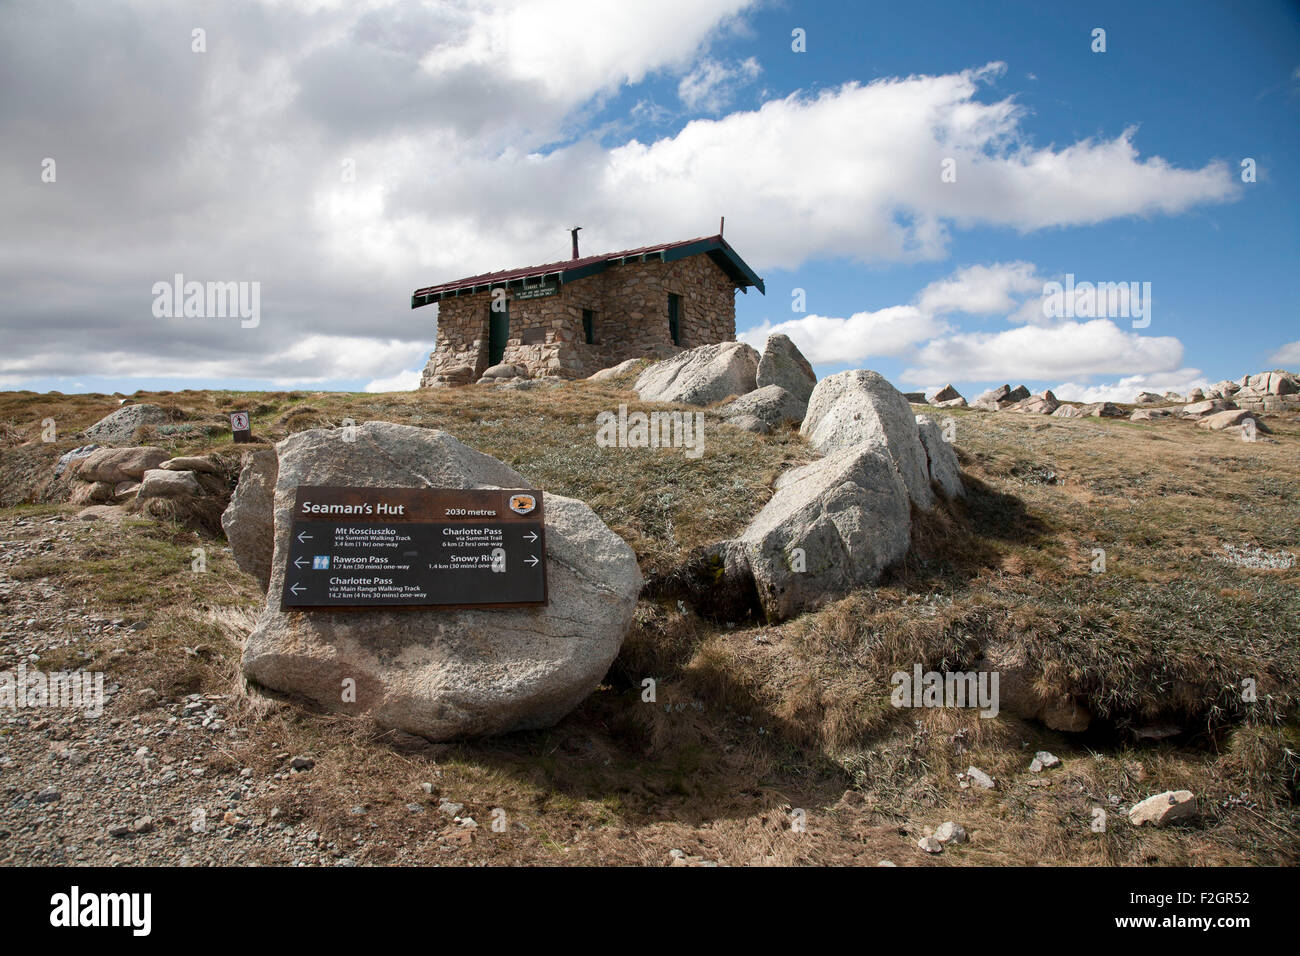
573, 318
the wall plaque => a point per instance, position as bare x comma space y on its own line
415, 547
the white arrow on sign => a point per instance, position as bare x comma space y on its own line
299, 562
531, 559
531, 537
303, 536
295, 588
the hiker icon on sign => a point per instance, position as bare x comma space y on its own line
320, 562
239, 422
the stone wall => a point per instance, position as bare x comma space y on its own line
630, 306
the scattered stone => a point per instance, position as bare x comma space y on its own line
1043, 760
301, 763
949, 832
451, 809
930, 845
48, 795
1168, 807
979, 778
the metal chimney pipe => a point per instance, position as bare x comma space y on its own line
574, 234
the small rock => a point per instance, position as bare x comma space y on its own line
1168, 807
49, 795
979, 778
949, 832
301, 763
930, 845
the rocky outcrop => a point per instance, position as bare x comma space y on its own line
438, 672
701, 376
861, 409
783, 364
119, 428
1044, 404
945, 394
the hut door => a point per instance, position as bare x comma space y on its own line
498, 332
674, 317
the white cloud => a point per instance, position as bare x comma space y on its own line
824, 339
712, 85
1288, 356
448, 111
982, 290
1034, 353
1127, 389
407, 381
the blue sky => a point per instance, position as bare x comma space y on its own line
479, 132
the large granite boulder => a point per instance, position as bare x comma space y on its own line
860, 408
438, 672
783, 364
121, 464
119, 427
249, 519
701, 376
848, 515
1067, 411
770, 405
945, 394
941, 457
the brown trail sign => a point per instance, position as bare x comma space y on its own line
415, 547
